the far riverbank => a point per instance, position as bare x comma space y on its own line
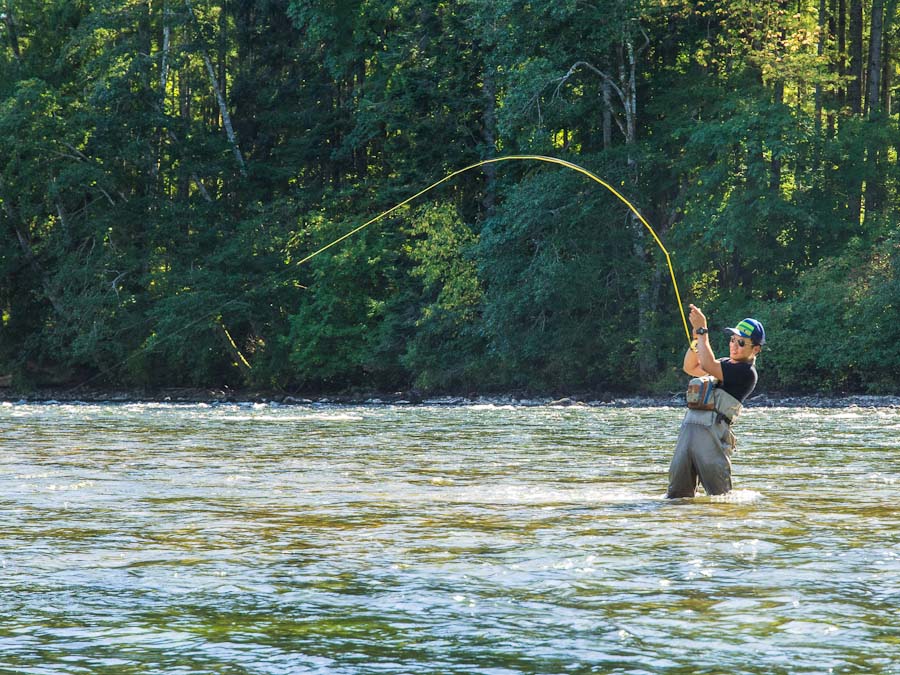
228, 396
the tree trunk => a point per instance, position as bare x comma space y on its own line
607, 115
776, 163
222, 60
226, 118
184, 110
855, 86
625, 89
220, 99
10, 22
842, 49
628, 85
873, 78
820, 50
854, 100
890, 11
164, 63
886, 81
882, 17
646, 307
163, 83
836, 99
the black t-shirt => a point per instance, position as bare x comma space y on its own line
738, 378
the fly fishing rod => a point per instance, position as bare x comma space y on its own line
521, 158
508, 158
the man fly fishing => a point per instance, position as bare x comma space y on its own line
715, 398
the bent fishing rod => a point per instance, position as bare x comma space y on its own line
507, 158
518, 158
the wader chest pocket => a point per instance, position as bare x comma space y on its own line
700, 393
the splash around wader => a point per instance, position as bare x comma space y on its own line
705, 442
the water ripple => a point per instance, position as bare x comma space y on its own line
234, 539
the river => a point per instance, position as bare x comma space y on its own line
475, 539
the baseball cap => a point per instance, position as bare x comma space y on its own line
749, 328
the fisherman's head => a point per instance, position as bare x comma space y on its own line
747, 339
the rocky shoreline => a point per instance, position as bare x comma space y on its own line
226, 396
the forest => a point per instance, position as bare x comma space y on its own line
166, 167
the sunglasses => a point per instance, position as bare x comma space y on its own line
741, 342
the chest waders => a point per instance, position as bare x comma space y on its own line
704, 448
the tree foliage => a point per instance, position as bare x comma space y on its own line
165, 165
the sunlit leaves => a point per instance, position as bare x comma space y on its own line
128, 230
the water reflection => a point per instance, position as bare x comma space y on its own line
259, 539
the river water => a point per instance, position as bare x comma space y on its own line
194, 539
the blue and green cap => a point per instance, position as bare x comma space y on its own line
749, 328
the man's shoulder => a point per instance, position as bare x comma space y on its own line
742, 370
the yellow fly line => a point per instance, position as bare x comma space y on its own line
522, 158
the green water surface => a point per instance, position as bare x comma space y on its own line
195, 539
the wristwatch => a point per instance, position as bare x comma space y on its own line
702, 330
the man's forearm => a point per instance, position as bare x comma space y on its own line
705, 356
